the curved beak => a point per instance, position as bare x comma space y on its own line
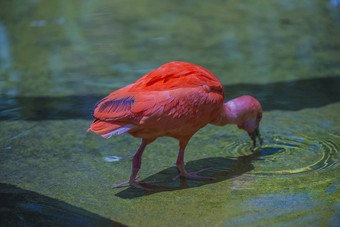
256, 134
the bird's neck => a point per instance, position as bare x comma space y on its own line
229, 114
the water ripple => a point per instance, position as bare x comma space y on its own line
293, 145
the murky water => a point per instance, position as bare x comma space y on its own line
58, 58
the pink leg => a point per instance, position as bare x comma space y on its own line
136, 164
180, 164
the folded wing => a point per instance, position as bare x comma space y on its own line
175, 89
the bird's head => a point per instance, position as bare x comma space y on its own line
246, 113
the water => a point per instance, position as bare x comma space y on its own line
58, 58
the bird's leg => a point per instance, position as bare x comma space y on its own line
136, 164
180, 165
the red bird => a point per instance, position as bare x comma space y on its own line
175, 100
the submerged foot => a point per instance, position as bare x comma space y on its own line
194, 175
124, 183
136, 184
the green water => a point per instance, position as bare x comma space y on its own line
57, 58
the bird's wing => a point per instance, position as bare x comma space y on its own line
176, 75
177, 87
175, 103
131, 107
116, 106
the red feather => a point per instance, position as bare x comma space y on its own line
173, 91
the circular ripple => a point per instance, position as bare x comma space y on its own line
292, 145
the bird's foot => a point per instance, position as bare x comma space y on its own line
124, 183
136, 184
194, 175
141, 183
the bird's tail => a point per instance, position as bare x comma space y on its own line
108, 129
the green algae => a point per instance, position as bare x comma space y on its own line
60, 160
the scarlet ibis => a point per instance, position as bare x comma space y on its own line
175, 100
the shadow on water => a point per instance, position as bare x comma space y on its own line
219, 167
19, 207
293, 95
